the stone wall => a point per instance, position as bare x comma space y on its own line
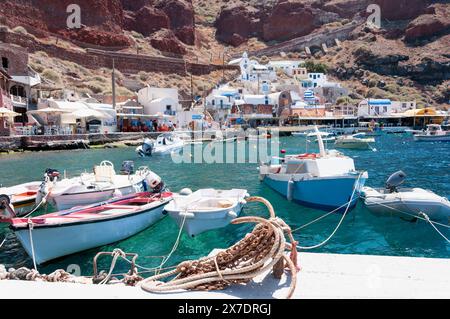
17, 59
124, 62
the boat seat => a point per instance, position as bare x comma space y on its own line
104, 173
224, 203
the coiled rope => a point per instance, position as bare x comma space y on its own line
253, 255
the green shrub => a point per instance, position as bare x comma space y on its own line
316, 67
51, 75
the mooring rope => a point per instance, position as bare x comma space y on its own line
340, 222
3, 242
429, 221
30, 230
258, 251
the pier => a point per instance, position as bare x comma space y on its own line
322, 276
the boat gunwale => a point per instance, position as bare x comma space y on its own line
98, 220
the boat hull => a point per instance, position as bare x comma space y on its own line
320, 193
67, 200
51, 242
199, 222
432, 138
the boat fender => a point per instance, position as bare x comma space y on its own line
187, 215
243, 202
290, 189
117, 193
186, 192
232, 214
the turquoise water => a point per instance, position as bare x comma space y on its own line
426, 164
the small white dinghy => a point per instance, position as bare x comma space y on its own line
22, 197
206, 209
406, 203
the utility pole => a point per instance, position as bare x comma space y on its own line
113, 85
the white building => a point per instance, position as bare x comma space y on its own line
251, 70
290, 68
383, 107
317, 79
159, 100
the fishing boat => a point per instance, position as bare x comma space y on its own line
434, 133
406, 203
99, 186
324, 181
22, 197
206, 209
63, 233
166, 143
354, 141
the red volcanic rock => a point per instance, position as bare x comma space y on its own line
287, 20
186, 35
236, 24
166, 41
347, 8
435, 22
147, 20
402, 9
97, 37
180, 12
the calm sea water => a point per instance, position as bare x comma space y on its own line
426, 164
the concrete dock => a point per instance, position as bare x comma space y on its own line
322, 276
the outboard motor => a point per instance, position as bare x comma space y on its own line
52, 174
153, 183
146, 148
127, 168
395, 180
6, 209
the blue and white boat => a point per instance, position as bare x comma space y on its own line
323, 181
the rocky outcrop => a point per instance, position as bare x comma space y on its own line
346, 8
435, 22
288, 20
427, 71
147, 20
150, 16
166, 41
238, 23
386, 63
402, 9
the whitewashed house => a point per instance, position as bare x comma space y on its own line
383, 107
159, 100
291, 68
252, 70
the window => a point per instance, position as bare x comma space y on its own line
213, 102
384, 109
5, 63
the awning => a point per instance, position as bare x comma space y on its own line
4, 112
85, 113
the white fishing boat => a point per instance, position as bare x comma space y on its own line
206, 209
165, 143
99, 186
434, 133
324, 181
22, 197
354, 141
54, 235
406, 203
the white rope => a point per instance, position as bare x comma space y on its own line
116, 254
44, 199
175, 246
4, 241
322, 217
340, 222
429, 221
30, 228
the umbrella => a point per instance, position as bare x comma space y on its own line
4, 112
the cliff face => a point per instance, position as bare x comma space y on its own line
413, 42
